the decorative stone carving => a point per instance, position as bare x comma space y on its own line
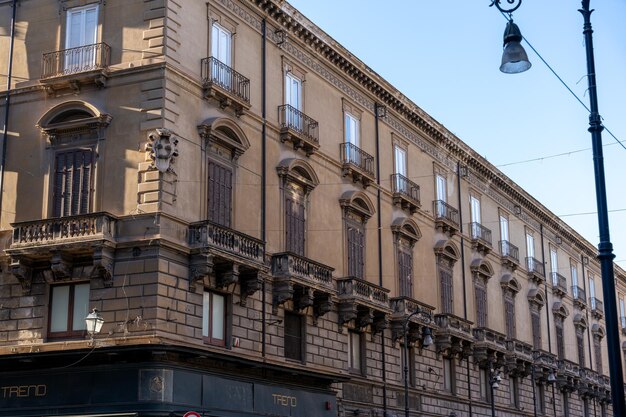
162, 149
24, 274
103, 265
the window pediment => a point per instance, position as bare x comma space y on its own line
226, 134
559, 310
536, 297
298, 172
406, 228
481, 269
356, 202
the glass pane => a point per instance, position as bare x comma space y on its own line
352, 130
592, 288
475, 206
81, 306
574, 275
355, 350
91, 26
530, 246
206, 304
447, 370
504, 228
59, 308
400, 161
217, 317
441, 188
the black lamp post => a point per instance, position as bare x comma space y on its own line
605, 248
427, 340
494, 384
551, 380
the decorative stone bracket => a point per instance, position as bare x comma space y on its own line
162, 150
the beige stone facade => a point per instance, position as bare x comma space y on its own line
245, 201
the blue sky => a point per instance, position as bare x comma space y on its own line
445, 56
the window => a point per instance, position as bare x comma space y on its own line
509, 314
445, 265
293, 91
554, 266
442, 194
73, 182
351, 129
514, 390
449, 375
504, 233
597, 350
294, 336
221, 48
357, 209
480, 292
69, 305
214, 318
295, 218
485, 387
530, 251
581, 348
475, 209
622, 312
411, 365
560, 342
535, 320
81, 30
574, 271
592, 293
406, 233
220, 193
355, 352
399, 156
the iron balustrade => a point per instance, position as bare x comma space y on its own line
227, 239
622, 321
214, 71
291, 118
559, 281
480, 232
578, 293
352, 154
509, 250
596, 305
535, 266
65, 229
75, 60
402, 185
445, 211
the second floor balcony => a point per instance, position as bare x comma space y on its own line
480, 237
75, 67
306, 282
446, 217
509, 254
56, 246
559, 284
579, 296
489, 346
419, 316
357, 163
535, 270
221, 256
406, 193
299, 129
597, 307
363, 302
224, 84
454, 336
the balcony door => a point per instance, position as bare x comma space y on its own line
293, 98
504, 235
82, 30
221, 50
400, 168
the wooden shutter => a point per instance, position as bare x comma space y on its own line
295, 225
445, 277
405, 272
356, 249
293, 336
560, 345
481, 306
509, 307
536, 329
598, 353
73, 179
220, 194
581, 349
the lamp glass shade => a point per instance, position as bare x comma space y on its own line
94, 322
427, 339
551, 377
514, 58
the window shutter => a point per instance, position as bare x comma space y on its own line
73, 183
445, 277
510, 317
481, 306
559, 339
295, 225
220, 194
405, 268
293, 336
598, 353
536, 329
581, 349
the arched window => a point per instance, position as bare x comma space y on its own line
447, 255
74, 130
560, 313
510, 288
224, 141
357, 209
536, 301
481, 272
406, 233
298, 179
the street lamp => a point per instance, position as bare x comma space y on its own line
605, 248
94, 322
494, 384
427, 340
550, 380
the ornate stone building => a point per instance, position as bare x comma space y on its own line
265, 227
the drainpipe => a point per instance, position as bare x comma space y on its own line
263, 171
586, 314
7, 95
378, 107
545, 286
463, 277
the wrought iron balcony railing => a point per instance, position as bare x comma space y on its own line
578, 294
215, 72
228, 240
480, 232
75, 60
353, 155
534, 266
597, 307
559, 283
291, 118
405, 188
509, 250
63, 230
444, 211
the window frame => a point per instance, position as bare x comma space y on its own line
71, 310
449, 375
295, 339
356, 365
208, 337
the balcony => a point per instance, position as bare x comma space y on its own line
519, 357
357, 163
305, 282
75, 67
535, 269
559, 284
454, 336
480, 237
568, 376
63, 248
579, 296
446, 217
406, 193
510, 254
402, 308
299, 129
597, 307
622, 324
363, 302
225, 85
489, 347
221, 256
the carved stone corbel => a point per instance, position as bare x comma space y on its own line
364, 318
103, 265
249, 283
61, 266
228, 277
24, 274
321, 305
282, 292
347, 312
303, 298
379, 323
201, 266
